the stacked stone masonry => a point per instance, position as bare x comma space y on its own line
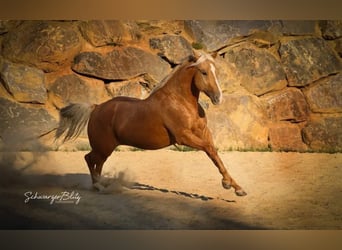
281, 80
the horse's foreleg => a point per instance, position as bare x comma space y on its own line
205, 143
227, 180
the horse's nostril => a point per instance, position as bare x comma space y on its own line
216, 99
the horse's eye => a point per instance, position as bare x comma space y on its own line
204, 73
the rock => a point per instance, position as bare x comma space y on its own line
20, 122
174, 48
325, 95
336, 45
7, 25
262, 39
121, 64
214, 35
323, 133
48, 45
299, 27
108, 32
331, 29
131, 88
2, 62
160, 27
25, 84
227, 76
307, 60
286, 137
72, 89
259, 71
238, 123
286, 105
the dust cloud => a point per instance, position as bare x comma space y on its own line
17, 156
115, 182
29, 163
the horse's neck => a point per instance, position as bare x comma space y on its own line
181, 83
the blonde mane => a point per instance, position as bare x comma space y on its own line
166, 78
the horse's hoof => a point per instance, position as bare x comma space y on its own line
226, 184
98, 186
240, 192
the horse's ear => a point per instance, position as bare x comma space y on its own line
197, 55
192, 58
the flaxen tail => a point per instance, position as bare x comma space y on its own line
73, 119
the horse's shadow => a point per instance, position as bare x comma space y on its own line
146, 187
83, 182
119, 182
132, 201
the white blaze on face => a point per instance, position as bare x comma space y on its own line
212, 68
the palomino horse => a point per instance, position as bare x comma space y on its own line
170, 115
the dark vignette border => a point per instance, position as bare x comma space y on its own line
175, 9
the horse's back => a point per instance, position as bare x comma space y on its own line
124, 99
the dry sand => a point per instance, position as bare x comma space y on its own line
166, 189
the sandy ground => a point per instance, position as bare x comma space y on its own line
166, 189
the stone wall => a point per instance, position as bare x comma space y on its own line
281, 80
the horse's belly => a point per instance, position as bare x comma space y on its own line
144, 138
138, 124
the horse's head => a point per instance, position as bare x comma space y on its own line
205, 77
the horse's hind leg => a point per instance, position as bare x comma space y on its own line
95, 163
91, 165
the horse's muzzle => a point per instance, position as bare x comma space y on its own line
216, 98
